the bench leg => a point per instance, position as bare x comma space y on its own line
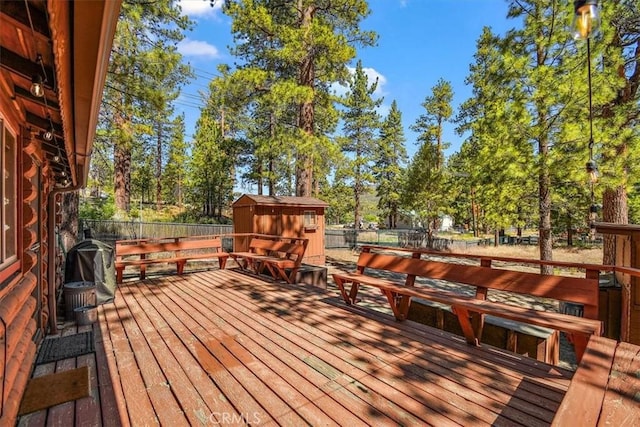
353, 294
291, 278
242, 262
340, 285
222, 261
465, 324
579, 345
180, 267
398, 307
143, 271
119, 274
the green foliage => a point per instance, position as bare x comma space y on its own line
212, 167
361, 124
293, 52
426, 177
144, 77
174, 176
97, 207
390, 158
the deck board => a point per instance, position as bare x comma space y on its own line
456, 398
339, 361
621, 404
222, 347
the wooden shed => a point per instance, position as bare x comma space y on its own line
282, 216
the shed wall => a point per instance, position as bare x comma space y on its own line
283, 220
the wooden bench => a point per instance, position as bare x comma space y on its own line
275, 254
470, 310
178, 250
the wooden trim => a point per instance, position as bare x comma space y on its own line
583, 402
12, 268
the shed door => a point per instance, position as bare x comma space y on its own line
272, 221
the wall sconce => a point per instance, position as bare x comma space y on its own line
37, 86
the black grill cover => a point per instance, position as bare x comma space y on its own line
93, 261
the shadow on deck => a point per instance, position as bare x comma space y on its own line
222, 347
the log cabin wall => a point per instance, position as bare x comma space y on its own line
46, 136
21, 274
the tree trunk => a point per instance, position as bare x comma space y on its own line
69, 224
304, 165
614, 210
544, 187
569, 231
122, 184
159, 167
259, 176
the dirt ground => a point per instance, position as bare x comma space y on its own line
575, 255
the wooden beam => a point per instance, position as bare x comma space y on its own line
23, 93
44, 123
17, 11
27, 68
619, 229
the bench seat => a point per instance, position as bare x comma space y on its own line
172, 250
462, 305
471, 310
273, 253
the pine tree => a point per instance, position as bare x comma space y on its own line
426, 175
304, 44
616, 83
174, 174
211, 169
496, 163
542, 86
361, 124
390, 158
144, 76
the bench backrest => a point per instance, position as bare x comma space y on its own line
166, 245
562, 288
295, 248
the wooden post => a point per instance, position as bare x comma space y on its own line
627, 255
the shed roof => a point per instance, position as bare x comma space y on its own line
254, 199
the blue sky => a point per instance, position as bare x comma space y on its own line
420, 41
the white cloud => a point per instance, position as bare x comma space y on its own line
371, 74
199, 8
188, 47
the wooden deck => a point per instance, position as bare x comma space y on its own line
221, 347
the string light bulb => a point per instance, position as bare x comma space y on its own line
37, 86
586, 19
592, 170
48, 135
